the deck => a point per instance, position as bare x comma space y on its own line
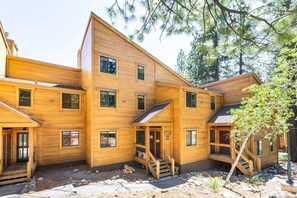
221, 157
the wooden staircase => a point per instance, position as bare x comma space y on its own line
248, 166
12, 177
165, 170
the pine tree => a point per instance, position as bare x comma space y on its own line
181, 64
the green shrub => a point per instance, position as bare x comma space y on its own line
215, 183
282, 157
199, 177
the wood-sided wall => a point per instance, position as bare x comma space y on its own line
233, 87
3, 52
27, 69
47, 108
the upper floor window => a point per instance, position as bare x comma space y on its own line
212, 102
259, 147
191, 99
140, 102
108, 65
191, 137
70, 101
140, 72
70, 138
25, 96
107, 139
108, 99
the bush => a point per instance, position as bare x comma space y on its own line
215, 183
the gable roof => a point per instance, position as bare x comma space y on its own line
232, 78
100, 20
223, 115
150, 113
20, 113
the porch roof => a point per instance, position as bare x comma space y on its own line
223, 115
15, 116
150, 113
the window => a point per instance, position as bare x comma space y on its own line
191, 137
259, 147
140, 102
108, 99
140, 137
108, 65
70, 138
107, 139
70, 101
271, 144
25, 97
212, 139
191, 99
212, 102
140, 72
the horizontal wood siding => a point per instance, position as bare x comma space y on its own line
3, 52
46, 108
39, 71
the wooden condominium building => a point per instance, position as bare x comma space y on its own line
119, 105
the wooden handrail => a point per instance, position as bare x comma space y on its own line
156, 162
171, 160
218, 144
242, 156
256, 159
250, 162
140, 146
152, 157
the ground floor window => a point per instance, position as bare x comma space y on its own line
191, 137
107, 139
140, 137
271, 145
70, 138
259, 147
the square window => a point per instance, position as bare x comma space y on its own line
107, 139
108, 99
140, 102
191, 137
25, 97
70, 138
212, 102
108, 65
140, 72
191, 99
70, 101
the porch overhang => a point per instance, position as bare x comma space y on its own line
13, 117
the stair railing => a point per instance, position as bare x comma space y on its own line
257, 160
250, 163
151, 158
171, 161
29, 168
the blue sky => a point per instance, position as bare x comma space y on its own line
52, 31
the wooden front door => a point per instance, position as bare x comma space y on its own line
22, 147
155, 143
224, 139
6, 150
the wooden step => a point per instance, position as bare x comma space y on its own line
7, 173
13, 181
16, 176
166, 174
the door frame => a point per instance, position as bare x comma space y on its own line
7, 162
155, 131
17, 146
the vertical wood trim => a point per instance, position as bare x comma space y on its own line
162, 142
147, 145
30, 162
181, 109
134, 140
1, 150
217, 139
92, 95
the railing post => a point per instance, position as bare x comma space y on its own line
147, 146
251, 168
29, 169
1, 150
158, 169
259, 162
172, 166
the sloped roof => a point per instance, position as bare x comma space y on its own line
20, 113
150, 113
38, 83
223, 115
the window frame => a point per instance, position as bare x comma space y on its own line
139, 131
70, 130
18, 97
271, 145
196, 98
144, 76
116, 98
144, 102
215, 98
192, 145
68, 109
107, 130
109, 57
257, 147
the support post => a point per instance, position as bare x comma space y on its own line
31, 150
147, 145
289, 180
162, 142
1, 150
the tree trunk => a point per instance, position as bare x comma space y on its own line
216, 77
240, 63
237, 158
293, 136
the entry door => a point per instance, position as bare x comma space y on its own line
6, 150
22, 147
225, 139
155, 143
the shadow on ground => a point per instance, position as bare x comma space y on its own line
168, 182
